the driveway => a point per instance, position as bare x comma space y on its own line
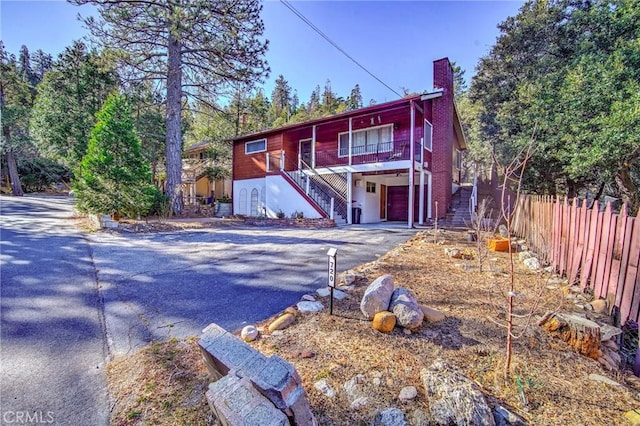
157, 286
52, 345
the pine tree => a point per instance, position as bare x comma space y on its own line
355, 98
114, 177
195, 48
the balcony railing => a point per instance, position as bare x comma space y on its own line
381, 152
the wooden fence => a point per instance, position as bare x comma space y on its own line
594, 248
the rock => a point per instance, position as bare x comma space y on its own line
377, 381
249, 333
309, 307
377, 296
339, 295
580, 333
419, 417
308, 298
354, 387
348, 278
347, 287
633, 416
359, 403
323, 292
406, 332
453, 252
390, 417
532, 263
599, 306
291, 310
384, 321
324, 388
282, 322
603, 379
453, 397
307, 354
505, 417
432, 315
607, 332
406, 308
524, 255
408, 393
504, 232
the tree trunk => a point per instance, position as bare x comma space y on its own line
580, 333
174, 124
12, 166
628, 190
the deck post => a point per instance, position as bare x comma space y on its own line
429, 195
412, 166
313, 147
349, 197
282, 161
350, 141
333, 203
421, 205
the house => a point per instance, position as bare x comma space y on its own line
197, 188
357, 166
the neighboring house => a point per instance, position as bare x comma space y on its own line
196, 186
357, 166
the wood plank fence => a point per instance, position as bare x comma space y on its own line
599, 249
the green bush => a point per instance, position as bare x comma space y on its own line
40, 174
114, 177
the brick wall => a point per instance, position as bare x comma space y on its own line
443, 136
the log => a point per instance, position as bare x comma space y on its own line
580, 333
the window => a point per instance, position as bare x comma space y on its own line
458, 159
366, 141
428, 134
371, 187
254, 202
255, 146
242, 203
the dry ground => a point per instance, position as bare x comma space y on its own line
165, 383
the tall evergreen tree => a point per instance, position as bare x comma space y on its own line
196, 48
68, 98
355, 98
15, 105
114, 177
41, 62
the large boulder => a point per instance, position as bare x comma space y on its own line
454, 399
377, 296
384, 321
405, 307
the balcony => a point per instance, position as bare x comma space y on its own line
378, 153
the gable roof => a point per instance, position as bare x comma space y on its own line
358, 112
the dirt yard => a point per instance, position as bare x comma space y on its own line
164, 384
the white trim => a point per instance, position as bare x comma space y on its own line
349, 197
421, 198
435, 94
255, 141
412, 190
300, 142
365, 129
429, 193
430, 149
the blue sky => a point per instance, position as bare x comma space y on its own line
397, 41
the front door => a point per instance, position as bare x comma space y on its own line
383, 201
397, 203
305, 153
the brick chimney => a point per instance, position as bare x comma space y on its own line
443, 136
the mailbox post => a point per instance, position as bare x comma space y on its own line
332, 270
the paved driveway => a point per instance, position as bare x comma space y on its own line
157, 286
52, 346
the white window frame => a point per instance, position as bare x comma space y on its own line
430, 134
246, 145
366, 129
458, 159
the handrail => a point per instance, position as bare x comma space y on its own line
318, 188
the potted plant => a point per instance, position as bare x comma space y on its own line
223, 206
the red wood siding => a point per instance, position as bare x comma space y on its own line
249, 166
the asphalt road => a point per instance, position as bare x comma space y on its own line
52, 345
157, 286
70, 301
